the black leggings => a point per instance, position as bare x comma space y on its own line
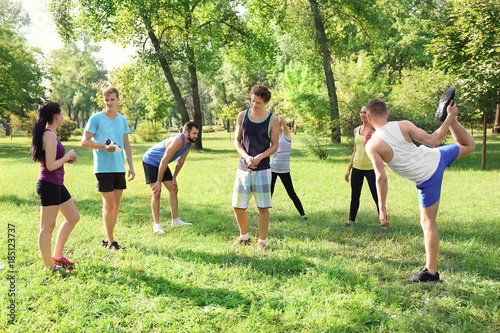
356, 185
286, 179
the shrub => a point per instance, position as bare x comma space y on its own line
78, 132
64, 132
316, 148
150, 131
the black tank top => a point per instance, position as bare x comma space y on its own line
255, 139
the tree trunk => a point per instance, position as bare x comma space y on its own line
7, 127
195, 98
327, 67
75, 115
168, 74
496, 127
483, 150
224, 100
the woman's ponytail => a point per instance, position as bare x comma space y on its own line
44, 116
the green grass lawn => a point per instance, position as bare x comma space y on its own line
317, 277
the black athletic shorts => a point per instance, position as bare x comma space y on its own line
51, 194
151, 173
108, 182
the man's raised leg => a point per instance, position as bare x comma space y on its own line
463, 138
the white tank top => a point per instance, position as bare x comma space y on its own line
414, 163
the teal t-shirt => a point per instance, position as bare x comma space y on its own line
106, 128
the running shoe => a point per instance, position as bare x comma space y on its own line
63, 262
114, 246
61, 270
444, 102
179, 222
424, 276
104, 243
261, 247
242, 241
347, 225
157, 228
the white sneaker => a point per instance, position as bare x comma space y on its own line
179, 222
157, 228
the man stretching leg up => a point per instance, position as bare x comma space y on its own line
156, 170
392, 145
256, 138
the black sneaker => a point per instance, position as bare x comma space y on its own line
114, 246
444, 102
104, 243
424, 276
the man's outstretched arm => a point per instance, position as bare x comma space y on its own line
382, 183
434, 139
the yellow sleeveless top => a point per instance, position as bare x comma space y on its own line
361, 160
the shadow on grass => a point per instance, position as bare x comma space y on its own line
161, 286
15, 151
17, 201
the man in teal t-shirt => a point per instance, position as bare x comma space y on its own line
109, 164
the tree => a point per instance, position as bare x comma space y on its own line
468, 46
315, 33
327, 68
74, 75
189, 31
20, 71
143, 93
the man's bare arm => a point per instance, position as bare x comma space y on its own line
434, 139
382, 183
128, 154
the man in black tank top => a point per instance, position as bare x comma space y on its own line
256, 138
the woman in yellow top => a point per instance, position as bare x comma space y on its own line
361, 167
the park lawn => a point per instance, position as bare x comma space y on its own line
315, 277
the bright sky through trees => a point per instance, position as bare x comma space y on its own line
42, 33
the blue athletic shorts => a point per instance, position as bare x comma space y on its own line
429, 191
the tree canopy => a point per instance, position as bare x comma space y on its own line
20, 69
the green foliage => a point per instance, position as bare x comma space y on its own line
468, 46
230, 112
74, 75
150, 131
316, 147
357, 83
78, 132
306, 95
144, 93
66, 130
399, 32
416, 97
23, 124
20, 70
